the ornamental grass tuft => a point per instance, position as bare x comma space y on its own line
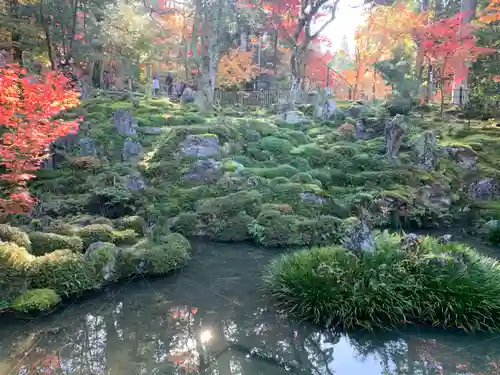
442, 285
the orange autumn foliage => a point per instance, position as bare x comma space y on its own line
491, 13
236, 67
27, 109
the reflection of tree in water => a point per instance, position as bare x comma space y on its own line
144, 334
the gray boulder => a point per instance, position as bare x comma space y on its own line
206, 170
427, 150
483, 189
124, 123
201, 145
135, 183
309, 197
394, 131
465, 157
360, 239
293, 117
131, 149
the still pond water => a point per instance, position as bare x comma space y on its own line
211, 319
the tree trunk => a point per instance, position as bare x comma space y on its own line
297, 77
460, 83
48, 41
419, 66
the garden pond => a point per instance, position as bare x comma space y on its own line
210, 318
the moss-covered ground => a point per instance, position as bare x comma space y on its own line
271, 182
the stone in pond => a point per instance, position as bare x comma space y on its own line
201, 145
104, 256
131, 149
206, 170
444, 239
124, 123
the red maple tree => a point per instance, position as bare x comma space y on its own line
27, 107
447, 44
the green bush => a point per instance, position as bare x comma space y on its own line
14, 235
136, 223
230, 229
42, 243
155, 258
64, 271
125, 237
96, 233
186, 223
284, 170
275, 145
445, 285
231, 204
36, 300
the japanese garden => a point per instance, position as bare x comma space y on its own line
250, 187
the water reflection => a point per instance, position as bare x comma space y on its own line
210, 320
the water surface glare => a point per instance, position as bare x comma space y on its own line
211, 319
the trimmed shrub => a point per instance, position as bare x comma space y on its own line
136, 223
230, 229
275, 145
64, 271
14, 235
284, 170
42, 243
446, 285
36, 300
125, 237
186, 224
231, 204
96, 233
155, 258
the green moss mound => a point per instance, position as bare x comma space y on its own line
443, 285
42, 243
14, 235
64, 271
36, 300
14, 263
155, 257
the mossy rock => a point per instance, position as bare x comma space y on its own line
36, 300
231, 204
275, 145
14, 235
124, 237
14, 264
64, 271
136, 223
155, 258
96, 233
42, 243
230, 229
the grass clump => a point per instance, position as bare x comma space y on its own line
36, 300
442, 285
42, 243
